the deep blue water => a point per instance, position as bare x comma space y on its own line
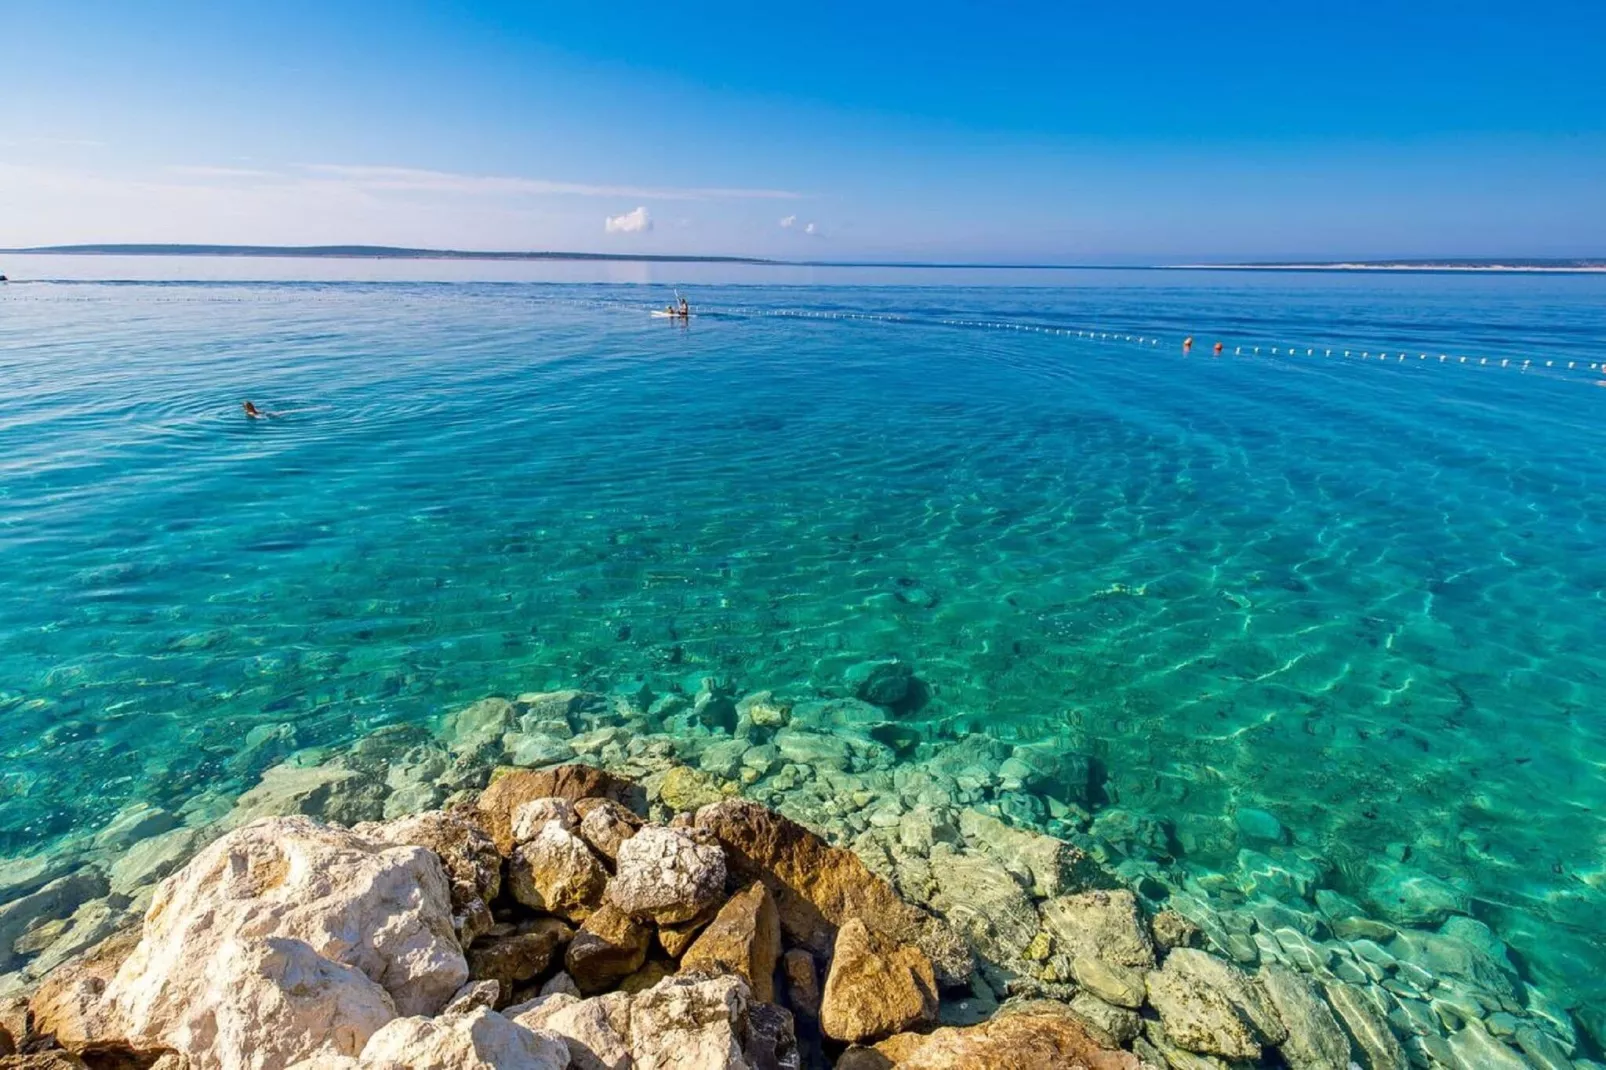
1363, 594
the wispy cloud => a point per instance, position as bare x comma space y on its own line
811, 229
788, 222
632, 222
410, 178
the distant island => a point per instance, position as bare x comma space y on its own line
1524, 264
364, 252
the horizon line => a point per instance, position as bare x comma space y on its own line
1461, 265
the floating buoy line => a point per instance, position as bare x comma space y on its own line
1214, 349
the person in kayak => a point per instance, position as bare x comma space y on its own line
685, 309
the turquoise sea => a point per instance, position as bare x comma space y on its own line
1364, 594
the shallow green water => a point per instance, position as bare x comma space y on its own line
1364, 596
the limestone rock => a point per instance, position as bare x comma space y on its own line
649, 975
1227, 979
45, 1060
610, 946
517, 957
480, 1039
515, 787
802, 982
690, 1023
1314, 1041
55, 900
473, 867
1050, 866
875, 987
596, 1031
977, 895
149, 860
1109, 1024
818, 887
764, 710
1101, 925
1367, 1027
330, 792
605, 824
1471, 1045
1408, 896
1120, 985
683, 789
664, 875
531, 817
744, 939
471, 995
560, 982
8, 1045
1037, 1036
383, 911
1197, 1017
69, 1004
676, 938
557, 873
480, 725
1171, 929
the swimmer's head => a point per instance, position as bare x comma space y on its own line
250, 410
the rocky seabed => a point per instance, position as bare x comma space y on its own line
702, 881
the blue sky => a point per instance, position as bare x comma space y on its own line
1046, 132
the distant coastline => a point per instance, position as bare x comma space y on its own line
1519, 265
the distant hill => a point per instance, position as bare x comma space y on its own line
366, 252
1505, 263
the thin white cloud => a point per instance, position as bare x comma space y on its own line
632, 222
811, 229
789, 222
204, 171
410, 178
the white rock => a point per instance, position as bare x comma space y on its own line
686, 1023
531, 817
269, 1003
665, 876
384, 911
481, 1038
597, 1030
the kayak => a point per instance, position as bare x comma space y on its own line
665, 314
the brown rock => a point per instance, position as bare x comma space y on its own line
818, 887
876, 987
473, 866
68, 1006
649, 975
518, 957
573, 782
557, 873
45, 1060
14, 1016
676, 938
744, 939
1037, 1036
8, 1046
610, 945
802, 982
605, 824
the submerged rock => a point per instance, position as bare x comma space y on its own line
1314, 1040
875, 987
1408, 896
1103, 925
1197, 1017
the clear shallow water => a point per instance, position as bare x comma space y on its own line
1364, 596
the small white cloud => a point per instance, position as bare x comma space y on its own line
633, 222
810, 229
789, 221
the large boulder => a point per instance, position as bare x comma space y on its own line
605, 824
744, 938
557, 873
1314, 1040
1047, 866
977, 895
596, 1031
480, 1039
1198, 1017
876, 987
818, 887
69, 1006
480, 725
514, 787
703, 1023
666, 876
384, 912
473, 866
1034, 1036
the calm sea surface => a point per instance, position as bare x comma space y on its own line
1363, 594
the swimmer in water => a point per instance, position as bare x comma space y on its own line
1187, 343
254, 413
1218, 349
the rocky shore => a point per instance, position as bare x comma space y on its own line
701, 879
